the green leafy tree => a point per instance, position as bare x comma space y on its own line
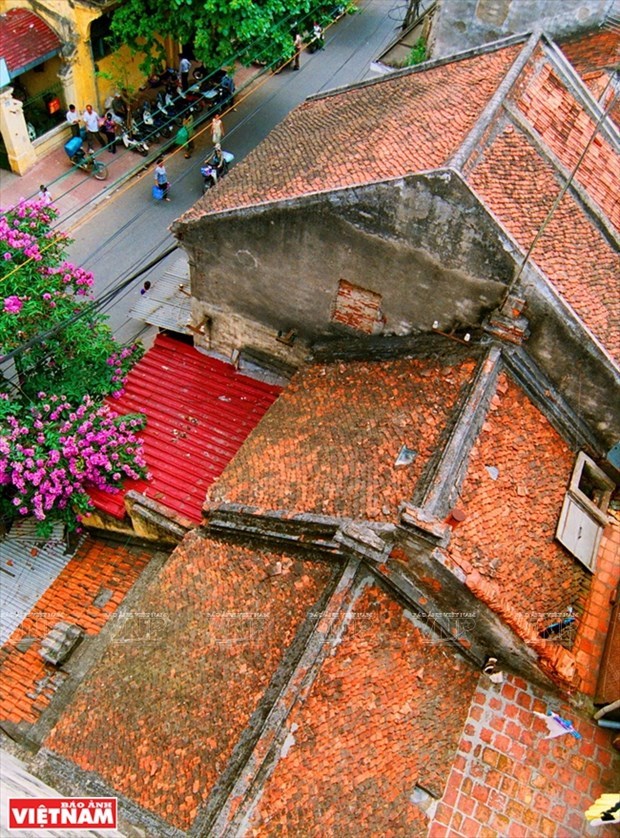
63, 344
56, 436
220, 31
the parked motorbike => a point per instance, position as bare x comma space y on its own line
211, 171
157, 79
133, 139
155, 124
199, 73
165, 107
192, 97
317, 42
216, 89
83, 160
227, 90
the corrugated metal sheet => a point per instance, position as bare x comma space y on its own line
164, 304
25, 39
200, 410
28, 566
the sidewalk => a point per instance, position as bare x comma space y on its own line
75, 192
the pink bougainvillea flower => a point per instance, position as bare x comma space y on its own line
12, 305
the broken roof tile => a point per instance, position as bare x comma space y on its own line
384, 715
572, 252
563, 124
186, 671
509, 532
74, 597
596, 57
330, 443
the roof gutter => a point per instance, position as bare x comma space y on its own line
32, 64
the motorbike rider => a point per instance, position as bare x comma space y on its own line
317, 41
216, 161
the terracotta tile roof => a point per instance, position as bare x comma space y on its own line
512, 513
565, 127
199, 412
596, 57
384, 130
97, 568
595, 51
25, 39
574, 255
384, 714
329, 444
218, 622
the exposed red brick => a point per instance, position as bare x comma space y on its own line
357, 307
595, 57
564, 125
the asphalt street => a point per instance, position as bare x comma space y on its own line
130, 229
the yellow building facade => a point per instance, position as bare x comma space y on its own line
56, 53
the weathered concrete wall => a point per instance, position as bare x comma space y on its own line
575, 365
424, 244
463, 24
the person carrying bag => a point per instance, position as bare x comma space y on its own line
183, 138
161, 187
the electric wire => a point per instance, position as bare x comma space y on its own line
122, 285
108, 297
139, 214
562, 192
256, 58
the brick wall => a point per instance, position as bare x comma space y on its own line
590, 640
357, 308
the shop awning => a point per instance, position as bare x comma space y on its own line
26, 41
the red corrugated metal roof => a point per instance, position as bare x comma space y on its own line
200, 410
25, 40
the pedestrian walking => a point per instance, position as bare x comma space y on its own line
161, 178
44, 195
73, 120
217, 130
299, 42
109, 129
92, 122
228, 87
184, 66
183, 137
